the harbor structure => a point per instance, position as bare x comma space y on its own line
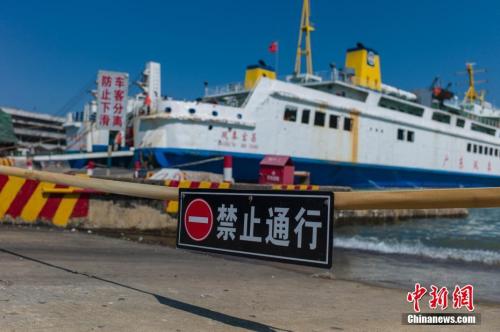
7, 137
36, 132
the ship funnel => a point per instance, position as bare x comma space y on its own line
366, 65
255, 72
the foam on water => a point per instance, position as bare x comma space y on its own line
416, 248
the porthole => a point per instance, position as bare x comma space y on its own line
192, 111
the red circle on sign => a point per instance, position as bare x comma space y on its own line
198, 219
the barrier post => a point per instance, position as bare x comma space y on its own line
137, 168
29, 163
108, 170
90, 168
228, 169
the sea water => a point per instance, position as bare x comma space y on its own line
441, 251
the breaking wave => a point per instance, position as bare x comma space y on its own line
417, 248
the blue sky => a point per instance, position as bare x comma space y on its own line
50, 50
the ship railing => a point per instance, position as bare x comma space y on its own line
225, 89
336, 75
327, 75
487, 121
357, 81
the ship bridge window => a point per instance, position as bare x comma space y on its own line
475, 148
410, 136
400, 107
482, 129
319, 119
480, 149
401, 135
460, 123
290, 114
469, 147
347, 124
305, 116
334, 121
441, 117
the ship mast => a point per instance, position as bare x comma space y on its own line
472, 95
304, 33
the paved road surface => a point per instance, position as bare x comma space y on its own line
52, 280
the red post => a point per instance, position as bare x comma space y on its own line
228, 169
137, 168
90, 168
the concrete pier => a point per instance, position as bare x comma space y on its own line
58, 280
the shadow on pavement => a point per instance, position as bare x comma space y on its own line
176, 304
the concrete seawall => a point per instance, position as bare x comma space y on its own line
142, 214
345, 217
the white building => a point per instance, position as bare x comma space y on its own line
37, 132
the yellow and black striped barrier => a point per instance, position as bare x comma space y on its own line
172, 206
7, 162
31, 200
295, 187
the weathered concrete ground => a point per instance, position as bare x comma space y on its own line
52, 280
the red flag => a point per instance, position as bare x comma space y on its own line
273, 48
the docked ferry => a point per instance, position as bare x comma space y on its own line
343, 129
344, 126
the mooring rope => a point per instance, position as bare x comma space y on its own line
205, 161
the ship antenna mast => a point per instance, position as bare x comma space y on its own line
304, 33
471, 95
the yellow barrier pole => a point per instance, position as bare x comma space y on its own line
418, 199
107, 186
354, 200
